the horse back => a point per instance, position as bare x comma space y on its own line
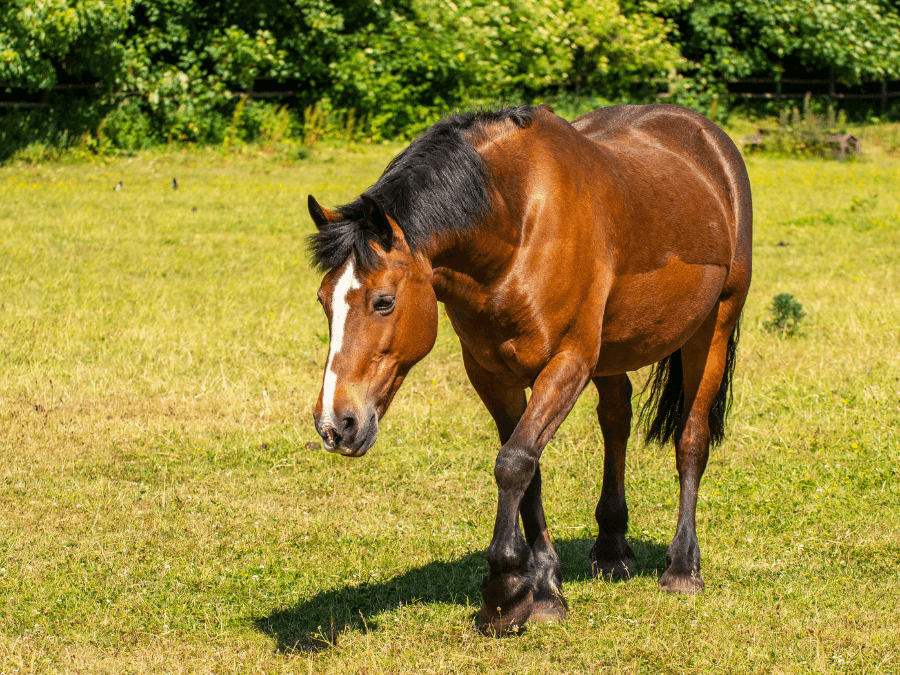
685, 170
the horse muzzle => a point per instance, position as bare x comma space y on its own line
346, 435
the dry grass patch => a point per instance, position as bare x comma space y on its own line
160, 510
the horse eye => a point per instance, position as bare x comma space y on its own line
384, 304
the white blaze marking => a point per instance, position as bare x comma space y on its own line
339, 310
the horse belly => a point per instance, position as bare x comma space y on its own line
650, 315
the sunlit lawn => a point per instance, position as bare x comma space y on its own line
161, 509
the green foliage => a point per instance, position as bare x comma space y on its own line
787, 314
803, 132
42, 40
858, 39
176, 71
316, 122
399, 65
435, 55
182, 65
128, 128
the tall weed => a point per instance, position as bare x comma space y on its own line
802, 132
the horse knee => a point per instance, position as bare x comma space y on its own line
513, 470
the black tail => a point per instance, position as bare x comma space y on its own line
666, 399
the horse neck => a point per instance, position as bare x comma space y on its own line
467, 266
465, 269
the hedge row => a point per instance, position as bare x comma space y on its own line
163, 70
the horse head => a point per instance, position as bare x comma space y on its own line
382, 320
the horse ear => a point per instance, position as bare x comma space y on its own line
321, 216
378, 221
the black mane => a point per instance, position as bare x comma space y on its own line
437, 186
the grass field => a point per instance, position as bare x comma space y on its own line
161, 509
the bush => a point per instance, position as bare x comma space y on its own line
787, 314
179, 70
127, 128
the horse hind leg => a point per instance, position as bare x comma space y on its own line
706, 363
611, 556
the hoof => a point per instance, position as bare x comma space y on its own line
550, 610
613, 569
497, 620
673, 582
508, 602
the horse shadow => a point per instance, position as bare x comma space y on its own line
317, 623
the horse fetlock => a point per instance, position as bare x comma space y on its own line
612, 517
682, 573
546, 558
531, 592
509, 557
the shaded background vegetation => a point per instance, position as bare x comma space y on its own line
129, 74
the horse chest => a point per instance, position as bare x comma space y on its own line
514, 356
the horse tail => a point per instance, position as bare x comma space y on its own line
721, 405
666, 398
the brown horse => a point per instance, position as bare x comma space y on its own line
564, 254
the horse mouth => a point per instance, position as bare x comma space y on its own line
359, 445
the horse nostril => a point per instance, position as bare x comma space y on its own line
348, 424
330, 435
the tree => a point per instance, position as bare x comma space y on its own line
858, 39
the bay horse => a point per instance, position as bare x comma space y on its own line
564, 254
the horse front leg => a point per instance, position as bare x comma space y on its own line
611, 556
525, 577
507, 405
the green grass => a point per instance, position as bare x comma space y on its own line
160, 511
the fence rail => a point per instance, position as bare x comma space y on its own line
884, 95
832, 92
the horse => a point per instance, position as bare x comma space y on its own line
564, 253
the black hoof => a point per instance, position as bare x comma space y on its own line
508, 603
613, 569
496, 621
681, 581
546, 611
512, 599
615, 560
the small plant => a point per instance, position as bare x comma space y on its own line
236, 131
787, 314
315, 122
862, 203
